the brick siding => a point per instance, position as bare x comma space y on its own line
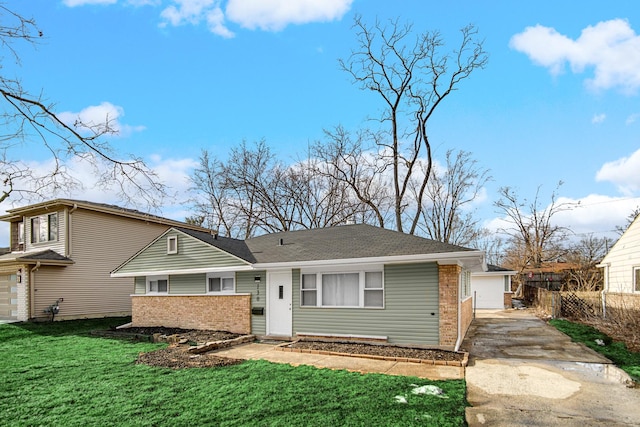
467, 315
448, 277
507, 300
230, 313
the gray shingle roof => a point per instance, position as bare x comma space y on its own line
342, 242
491, 267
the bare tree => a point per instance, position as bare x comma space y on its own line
620, 229
412, 76
252, 193
448, 194
533, 235
27, 119
585, 256
345, 159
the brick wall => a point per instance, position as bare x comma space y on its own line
220, 312
507, 299
467, 315
448, 276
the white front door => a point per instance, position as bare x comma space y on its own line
279, 303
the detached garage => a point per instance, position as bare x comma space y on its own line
491, 289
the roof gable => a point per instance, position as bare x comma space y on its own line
626, 244
193, 254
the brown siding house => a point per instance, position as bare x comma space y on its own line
62, 253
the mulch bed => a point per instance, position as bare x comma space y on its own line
191, 335
177, 356
389, 351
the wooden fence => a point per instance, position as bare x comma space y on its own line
571, 305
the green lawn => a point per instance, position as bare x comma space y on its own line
617, 352
58, 375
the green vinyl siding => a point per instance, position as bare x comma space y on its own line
187, 284
410, 314
192, 253
246, 283
140, 285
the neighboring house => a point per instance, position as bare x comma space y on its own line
63, 251
351, 281
492, 288
622, 267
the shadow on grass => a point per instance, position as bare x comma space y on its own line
81, 327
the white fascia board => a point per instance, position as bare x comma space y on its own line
468, 258
184, 271
494, 273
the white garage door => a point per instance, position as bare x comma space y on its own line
8, 296
488, 291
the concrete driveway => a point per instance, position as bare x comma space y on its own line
523, 372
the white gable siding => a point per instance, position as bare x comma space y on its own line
621, 260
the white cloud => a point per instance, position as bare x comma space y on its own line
96, 118
598, 118
623, 172
266, 15
274, 15
611, 48
172, 172
194, 12
632, 119
593, 214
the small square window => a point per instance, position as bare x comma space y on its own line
158, 284
172, 245
217, 284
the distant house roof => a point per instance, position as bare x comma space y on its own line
491, 267
494, 270
18, 213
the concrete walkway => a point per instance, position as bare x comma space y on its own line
523, 372
268, 352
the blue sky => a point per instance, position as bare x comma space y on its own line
559, 99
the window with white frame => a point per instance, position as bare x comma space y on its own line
44, 228
507, 283
221, 283
636, 279
309, 290
360, 289
172, 245
157, 284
